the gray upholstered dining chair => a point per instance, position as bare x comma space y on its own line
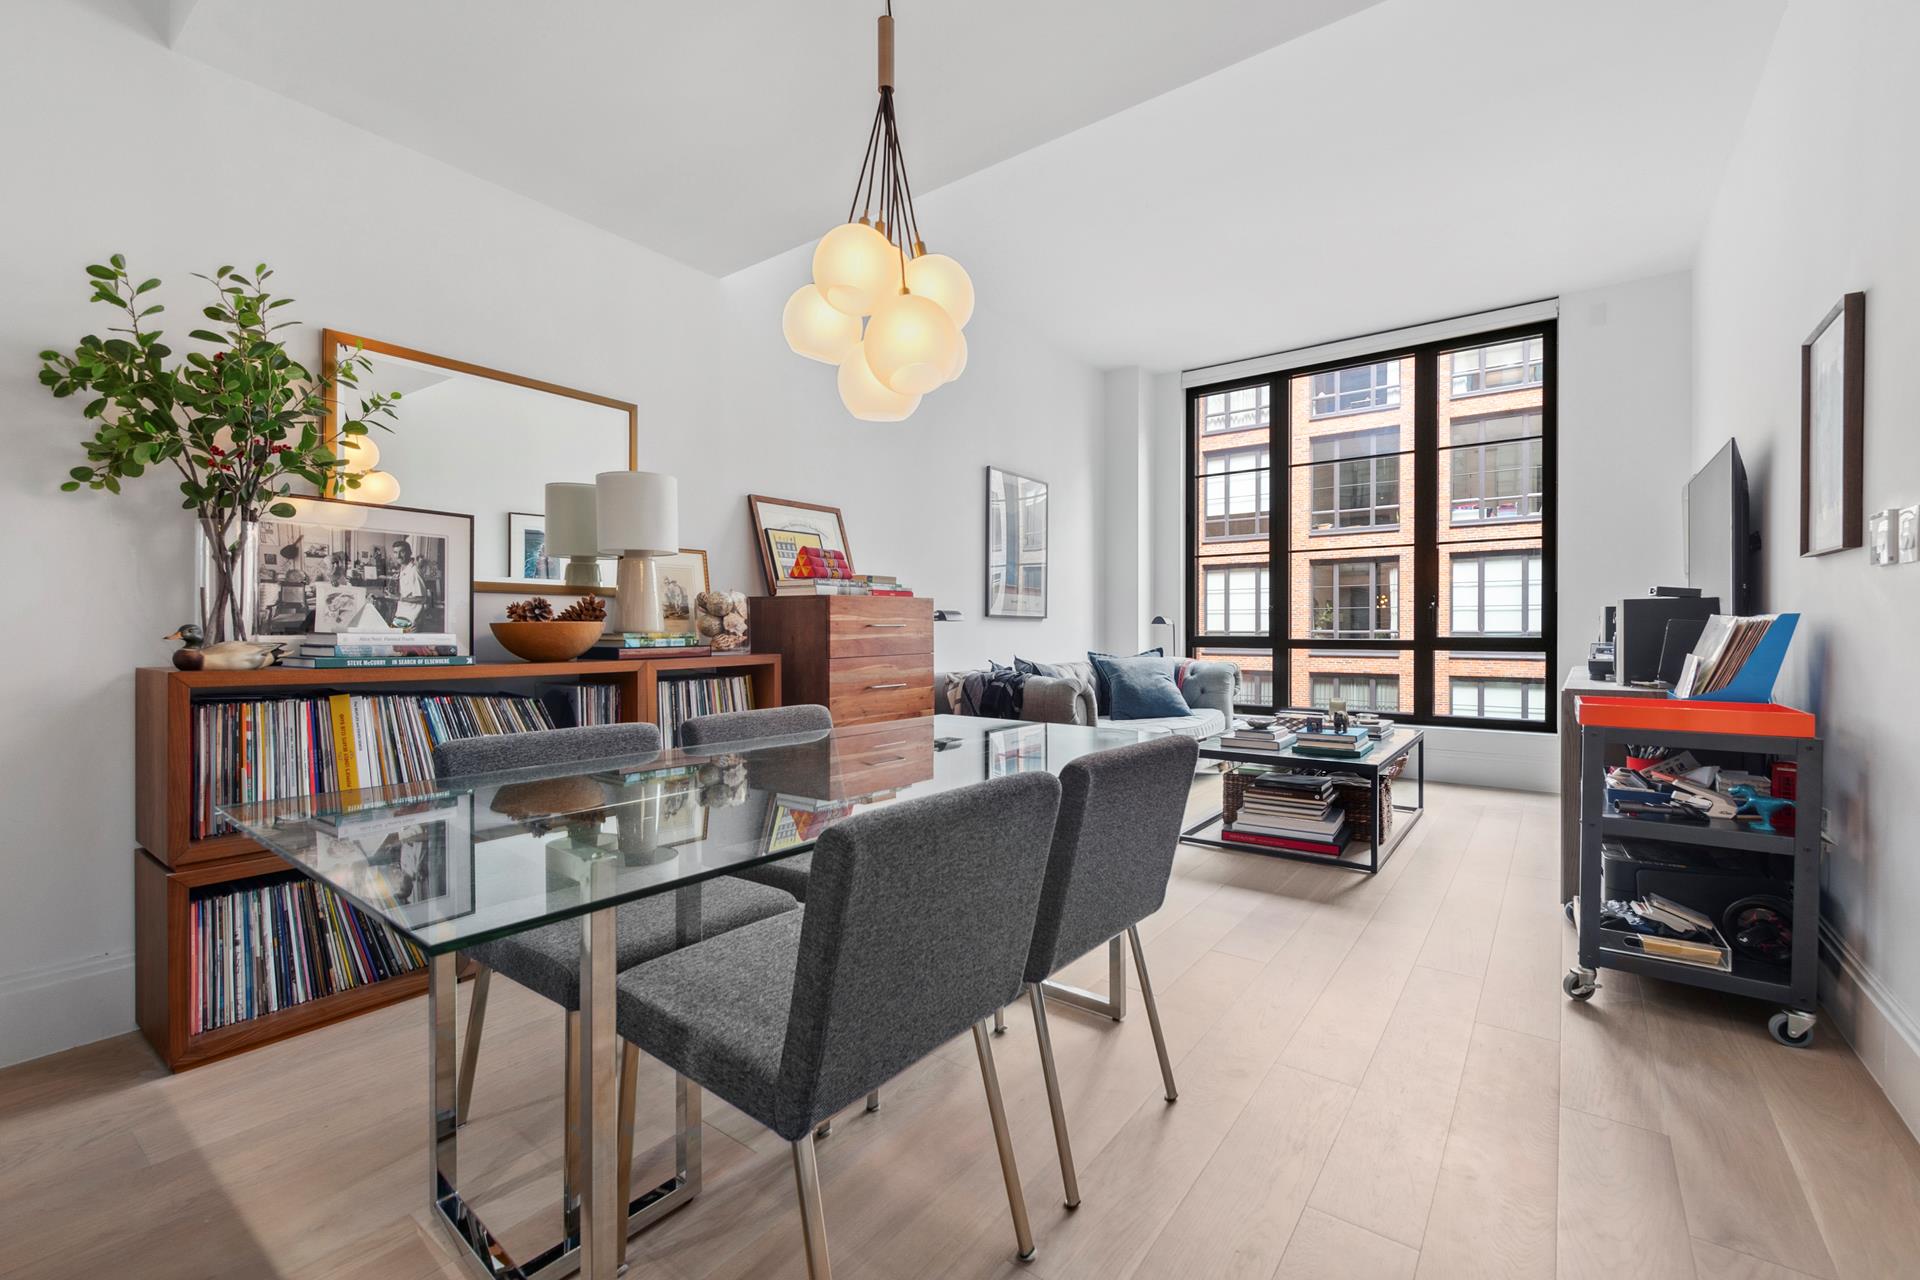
702, 732
917, 926
547, 960
1120, 817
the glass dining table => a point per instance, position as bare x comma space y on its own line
471, 859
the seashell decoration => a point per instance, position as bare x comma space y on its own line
721, 617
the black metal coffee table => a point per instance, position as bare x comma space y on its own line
1366, 858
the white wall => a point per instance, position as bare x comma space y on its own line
1818, 200
394, 245
1625, 396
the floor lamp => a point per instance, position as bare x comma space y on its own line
1173, 644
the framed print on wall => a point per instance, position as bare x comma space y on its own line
1016, 545
782, 526
1833, 398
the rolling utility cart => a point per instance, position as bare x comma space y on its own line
1718, 730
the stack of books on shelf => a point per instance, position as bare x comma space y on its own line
683, 699
1346, 744
858, 584
650, 644
259, 947
1247, 738
347, 649
1296, 811
276, 748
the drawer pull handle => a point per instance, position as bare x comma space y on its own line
886, 624
900, 685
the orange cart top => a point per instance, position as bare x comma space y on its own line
1677, 715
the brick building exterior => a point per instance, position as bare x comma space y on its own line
1350, 470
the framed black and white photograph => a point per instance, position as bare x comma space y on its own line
347, 566
1016, 545
1907, 540
527, 557
1882, 527
1833, 398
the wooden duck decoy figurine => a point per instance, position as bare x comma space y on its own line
194, 654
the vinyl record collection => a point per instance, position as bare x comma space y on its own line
595, 703
261, 947
281, 747
683, 699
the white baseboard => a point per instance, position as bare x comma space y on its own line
59, 1006
1883, 1033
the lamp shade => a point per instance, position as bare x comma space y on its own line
866, 397
377, 487
855, 267
815, 330
637, 511
936, 276
912, 344
358, 454
572, 523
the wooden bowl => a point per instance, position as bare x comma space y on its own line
548, 641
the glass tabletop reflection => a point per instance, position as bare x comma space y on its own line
466, 860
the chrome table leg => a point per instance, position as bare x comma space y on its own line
603, 1236
470, 1053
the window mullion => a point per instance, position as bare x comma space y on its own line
1426, 528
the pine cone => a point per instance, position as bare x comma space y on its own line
585, 609
538, 609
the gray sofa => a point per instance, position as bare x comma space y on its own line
1068, 698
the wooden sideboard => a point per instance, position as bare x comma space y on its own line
864, 658
172, 865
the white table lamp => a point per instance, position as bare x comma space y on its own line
573, 531
638, 514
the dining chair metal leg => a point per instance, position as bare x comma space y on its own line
813, 1218
824, 1129
999, 1022
873, 1101
1009, 1170
470, 1051
570, 1159
1068, 1176
1114, 1003
1153, 1013
629, 1089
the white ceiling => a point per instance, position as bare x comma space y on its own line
720, 133
1141, 181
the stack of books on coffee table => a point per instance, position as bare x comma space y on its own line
1295, 811
1247, 738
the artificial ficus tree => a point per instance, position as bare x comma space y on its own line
240, 423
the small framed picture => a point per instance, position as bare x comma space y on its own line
1016, 545
783, 526
1833, 398
1881, 530
527, 547
682, 578
1907, 541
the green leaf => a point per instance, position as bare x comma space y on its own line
73, 486
119, 261
81, 473
153, 310
146, 285
103, 273
285, 510
112, 485
215, 313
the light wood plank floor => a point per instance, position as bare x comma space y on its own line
1378, 1078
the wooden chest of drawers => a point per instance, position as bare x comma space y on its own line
864, 658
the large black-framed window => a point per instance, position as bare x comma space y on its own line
1409, 511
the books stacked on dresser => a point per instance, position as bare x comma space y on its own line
1293, 811
1377, 727
350, 649
853, 584
1349, 744
650, 644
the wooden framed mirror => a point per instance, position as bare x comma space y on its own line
485, 442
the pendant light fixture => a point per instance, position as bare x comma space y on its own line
875, 266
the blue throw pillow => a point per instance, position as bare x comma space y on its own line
1142, 688
1102, 694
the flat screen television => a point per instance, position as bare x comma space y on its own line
1719, 535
